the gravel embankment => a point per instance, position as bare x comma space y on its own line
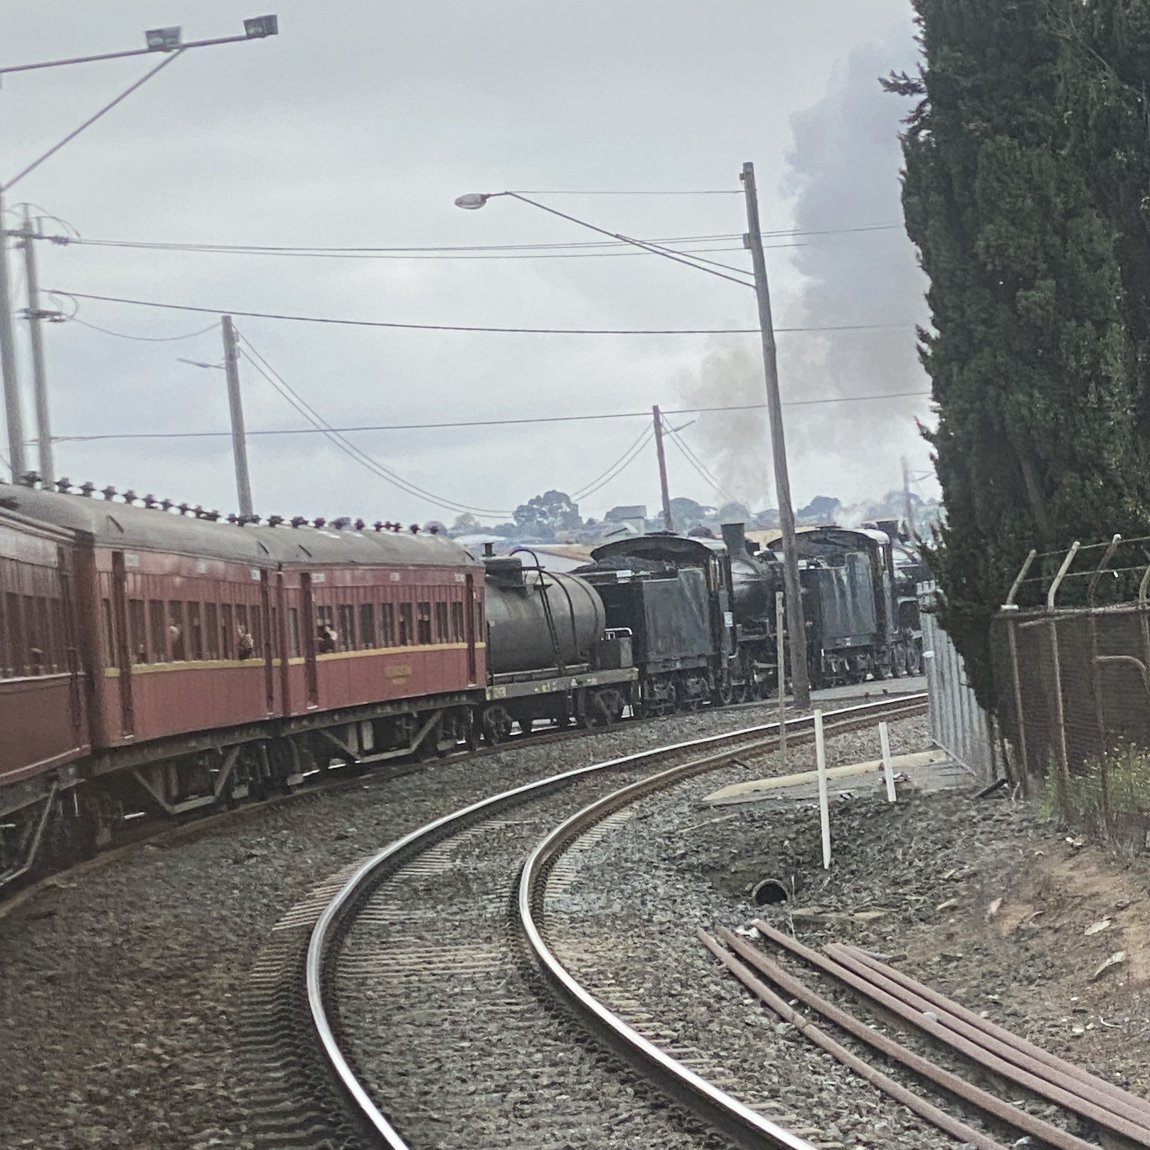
122, 991
918, 879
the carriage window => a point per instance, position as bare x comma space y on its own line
177, 642
157, 632
39, 636
137, 632
228, 635
367, 625
14, 659
346, 629
423, 632
256, 630
387, 624
457, 635
5, 650
195, 632
326, 636
441, 623
406, 625
211, 631
293, 633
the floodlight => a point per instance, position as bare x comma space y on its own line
259, 26
162, 39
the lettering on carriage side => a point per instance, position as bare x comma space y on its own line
319, 577
460, 578
201, 567
395, 576
255, 574
399, 672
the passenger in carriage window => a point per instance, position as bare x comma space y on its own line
247, 646
326, 639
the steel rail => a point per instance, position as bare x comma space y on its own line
717, 1107
334, 915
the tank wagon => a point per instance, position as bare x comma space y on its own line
550, 653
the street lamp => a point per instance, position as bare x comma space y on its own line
166, 40
753, 240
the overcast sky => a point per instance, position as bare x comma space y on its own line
357, 127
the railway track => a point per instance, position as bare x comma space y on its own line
412, 1002
141, 828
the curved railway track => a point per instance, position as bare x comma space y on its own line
410, 1002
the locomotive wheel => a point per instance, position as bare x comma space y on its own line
497, 724
723, 693
614, 702
914, 659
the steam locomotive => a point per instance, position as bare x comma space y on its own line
153, 658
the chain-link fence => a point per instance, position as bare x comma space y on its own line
957, 723
1073, 692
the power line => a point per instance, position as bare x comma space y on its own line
469, 423
617, 469
619, 192
143, 338
453, 250
510, 252
698, 465
304, 408
392, 325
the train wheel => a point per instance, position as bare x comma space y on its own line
914, 659
497, 724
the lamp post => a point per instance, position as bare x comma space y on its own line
796, 626
164, 40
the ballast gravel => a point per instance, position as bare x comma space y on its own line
120, 991
973, 895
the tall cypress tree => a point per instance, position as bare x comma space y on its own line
1031, 362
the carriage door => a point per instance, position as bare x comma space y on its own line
122, 655
71, 652
469, 616
268, 640
308, 626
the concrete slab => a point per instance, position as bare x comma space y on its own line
925, 770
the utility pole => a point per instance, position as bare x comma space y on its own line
796, 627
39, 380
12, 412
236, 407
907, 505
668, 520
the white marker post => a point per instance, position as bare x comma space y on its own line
887, 769
824, 806
780, 654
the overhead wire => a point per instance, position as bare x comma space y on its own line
395, 325
700, 467
440, 425
304, 408
703, 265
144, 338
453, 250
621, 465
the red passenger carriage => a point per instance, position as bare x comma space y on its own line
212, 659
